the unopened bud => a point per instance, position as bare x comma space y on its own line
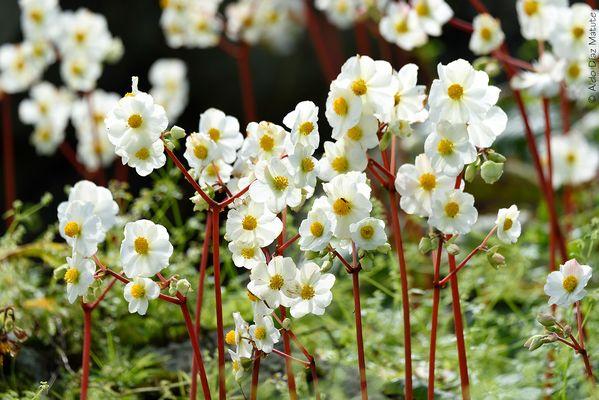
494, 156
425, 245
46, 199
115, 51
491, 171
286, 324
534, 342
177, 132
183, 286
326, 266
471, 171
496, 260
545, 319
453, 249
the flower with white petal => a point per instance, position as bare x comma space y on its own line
104, 206
303, 122
576, 77
571, 37
170, 88
348, 198
46, 104
483, 131
566, 286
410, 98
139, 292
363, 134
246, 254
544, 79
342, 13
239, 337
400, 25
417, 183
305, 167
453, 212
264, 141
487, 35
314, 291
264, 334
317, 229
341, 157
78, 276
538, 18
223, 130
253, 222
17, 71
204, 27
275, 186
236, 364
46, 137
80, 227
508, 225
143, 154
84, 34
259, 306
214, 173
575, 160
39, 17
432, 15
80, 72
370, 80
200, 150
461, 93
369, 233
145, 249
274, 283
343, 109
449, 148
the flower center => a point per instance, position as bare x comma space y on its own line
36, 16
531, 7
143, 153
571, 158
359, 87
455, 91
80, 36
316, 229
577, 32
230, 338
306, 128
307, 292
267, 142
98, 118
507, 224
201, 26
340, 106
574, 71
72, 275
260, 333
452, 209
276, 282
340, 164
235, 365
280, 182
341, 206
355, 133
401, 26
248, 252
427, 181
396, 99
214, 134
138, 291
249, 223
366, 232
200, 151
77, 69
570, 282
445, 147
422, 9
307, 164
212, 169
72, 229
141, 245
486, 34
135, 121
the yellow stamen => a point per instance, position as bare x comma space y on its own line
135, 121
427, 181
138, 291
452, 209
422, 9
276, 282
367, 232
355, 133
141, 245
573, 71
142, 154
486, 34
260, 333
401, 26
359, 87
316, 229
200, 151
577, 32
455, 91
340, 106
531, 7
570, 282
306, 128
571, 158
214, 134
72, 229
307, 292
249, 223
280, 182
230, 338
341, 207
507, 224
445, 147
307, 164
72, 275
267, 142
340, 164
248, 252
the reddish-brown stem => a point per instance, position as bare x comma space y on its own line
499, 55
255, 375
385, 171
461, 25
237, 195
362, 39
290, 357
565, 107
8, 155
68, 153
349, 268
103, 294
376, 175
359, 338
317, 37
245, 77
282, 247
592, 3
434, 322
87, 338
222, 390
459, 330
479, 6
582, 349
288, 367
196, 350
199, 302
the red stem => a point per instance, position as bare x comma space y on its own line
68, 153
222, 390
196, 350
317, 37
461, 25
255, 375
282, 247
245, 77
459, 330
362, 39
87, 338
290, 357
359, 339
434, 322
582, 351
103, 294
288, 367
8, 155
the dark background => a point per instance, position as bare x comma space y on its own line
280, 81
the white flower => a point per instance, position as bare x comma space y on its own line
303, 122
348, 198
275, 186
341, 157
461, 93
143, 154
274, 283
432, 15
80, 72
417, 183
538, 18
410, 98
305, 167
363, 134
453, 212
343, 109
46, 137
138, 292
239, 337
38, 17
314, 291
370, 80
264, 333
104, 206
18, 70
571, 37
214, 173
400, 26
145, 249
83, 34
170, 88
576, 76
264, 141
342, 13
205, 26
46, 105
80, 227
566, 286
246, 254
449, 149
508, 225
369, 233
253, 222
200, 150
487, 35
79, 276
259, 306
482, 131
544, 79
575, 160
317, 229
241, 24
236, 364
223, 130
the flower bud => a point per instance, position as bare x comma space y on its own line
46, 199
494, 156
286, 324
115, 51
326, 266
546, 319
471, 171
425, 245
491, 171
169, 144
183, 286
177, 132
59, 272
453, 249
534, 342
